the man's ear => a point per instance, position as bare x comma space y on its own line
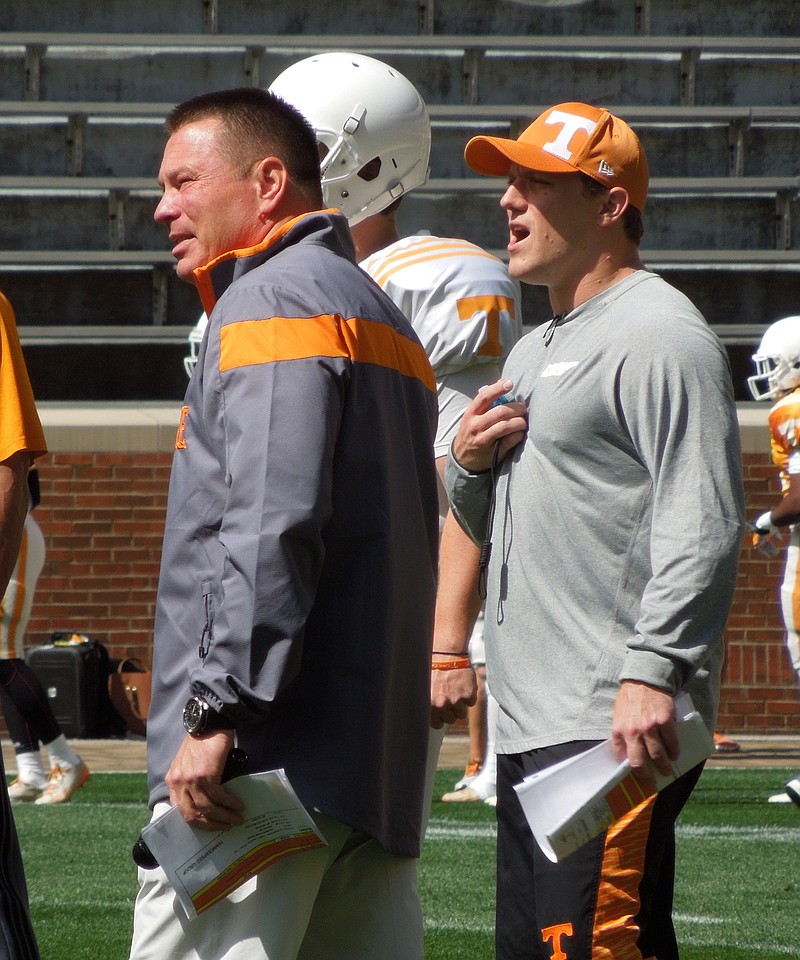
615, 204
271, 178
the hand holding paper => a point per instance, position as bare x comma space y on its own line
571, 802
194, 782
643, 729
205, 867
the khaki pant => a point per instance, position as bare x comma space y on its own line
350, 899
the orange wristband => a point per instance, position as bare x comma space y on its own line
461, 663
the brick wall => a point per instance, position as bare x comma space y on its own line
102, 515
760, 692
104, 494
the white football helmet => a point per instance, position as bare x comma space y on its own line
370, 120
777, 361
195, 339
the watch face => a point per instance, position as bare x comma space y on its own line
193, 715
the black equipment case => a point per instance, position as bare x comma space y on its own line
74, 673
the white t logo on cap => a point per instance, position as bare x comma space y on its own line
571, 124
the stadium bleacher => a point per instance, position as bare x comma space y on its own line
113, 138
441, 17
456, 68
713, 91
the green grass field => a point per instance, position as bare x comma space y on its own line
737, 897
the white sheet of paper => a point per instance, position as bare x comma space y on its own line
205, 867
573, 801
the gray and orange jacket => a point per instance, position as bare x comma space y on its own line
299, 562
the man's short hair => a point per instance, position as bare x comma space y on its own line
257, 124
632, 220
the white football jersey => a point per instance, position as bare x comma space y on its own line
464, 307
462, 303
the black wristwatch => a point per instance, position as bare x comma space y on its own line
200, 718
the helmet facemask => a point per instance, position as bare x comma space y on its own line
777, 361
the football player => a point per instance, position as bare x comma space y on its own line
777, 378
29, 715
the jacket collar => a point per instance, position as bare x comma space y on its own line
328, 226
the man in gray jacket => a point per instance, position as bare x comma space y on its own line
295, 603
616, 531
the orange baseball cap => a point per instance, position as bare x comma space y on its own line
566, 138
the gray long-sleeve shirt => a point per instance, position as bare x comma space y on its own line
618, 519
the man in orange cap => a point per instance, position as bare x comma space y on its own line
609, 488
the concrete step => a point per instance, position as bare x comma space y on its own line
742, 213
463, 68
657, 17
100, 138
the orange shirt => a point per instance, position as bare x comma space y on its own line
784, 429
20, 428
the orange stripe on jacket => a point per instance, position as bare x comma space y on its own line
250, 342
615, 929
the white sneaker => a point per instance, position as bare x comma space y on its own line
779, 798
480, 788
463, 795
63, 782
461, 791
793, 790
21, 792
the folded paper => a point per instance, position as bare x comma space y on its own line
204, 867
571, 802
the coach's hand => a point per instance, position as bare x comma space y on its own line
484, 425
452, 691
195, 782
643, 729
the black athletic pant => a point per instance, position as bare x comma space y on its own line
27, 710
551, 910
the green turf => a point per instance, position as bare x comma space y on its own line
81, 878
737, 895
738, 890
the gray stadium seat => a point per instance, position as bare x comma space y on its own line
710, 88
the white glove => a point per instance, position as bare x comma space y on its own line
764, 525
767, 538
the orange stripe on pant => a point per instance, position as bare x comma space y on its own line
790, 599
615, 930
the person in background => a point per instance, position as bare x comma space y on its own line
21, 442
479, 780
374, 137
609, 491
295, 604
777, 378
27, 710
